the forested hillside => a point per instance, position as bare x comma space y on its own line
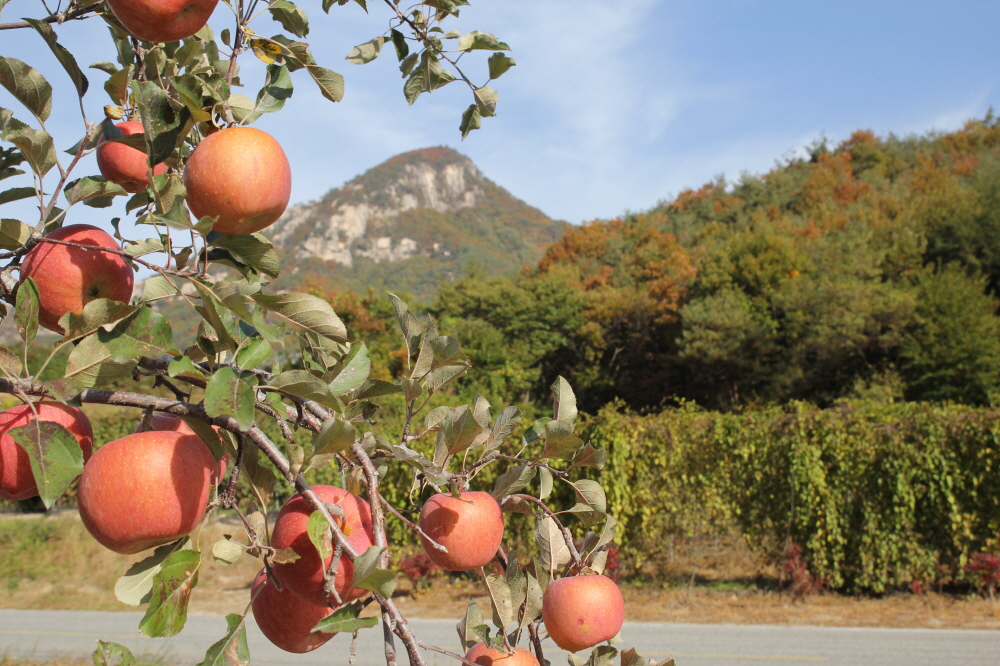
868, 269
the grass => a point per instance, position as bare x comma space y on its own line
51, 562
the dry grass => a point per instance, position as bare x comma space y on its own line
53, 563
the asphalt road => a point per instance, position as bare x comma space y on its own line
43, 634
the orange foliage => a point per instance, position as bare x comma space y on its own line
832, 179
859, 138
688, 197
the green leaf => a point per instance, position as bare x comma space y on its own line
26, 310
408, 324
564, 407
92, 363
145, 333
253, 355
334, 436
306, 312
479, 40
544, 483
231, 649
553, 553
331, 84
183, 366
253, 249
632, 658
97, 313
467, 634
16, 194
90, 187
345, 619
27, 86
590, 457
441, 377
64, 57
241, 106
399, 41
136, 586
303, 384
591, 502
560, 442
172, 586
502, 428
158, 287
117, 86
291, 18
514, 479
14, 233
426, 77
277, 88
319, 534
104, 66
375, 388
144, 247
498, 64
365, 53
226, 552
163, 125
500, 599
462, 431
228, 395
486, 101
366, 563
55, 454
112, 654
352, 370
472, 119
36, 146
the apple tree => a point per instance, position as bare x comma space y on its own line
176, 150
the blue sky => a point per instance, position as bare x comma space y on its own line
613, 106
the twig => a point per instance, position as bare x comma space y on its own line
56, 18
412, 525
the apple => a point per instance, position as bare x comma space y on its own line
241, 175
16, 480
471, 528
304, 577
145, 489
123, 164
69, 277
581, 611
286, 620
163, 421
484, 656
161, 21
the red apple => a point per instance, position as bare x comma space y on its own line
484, 656
68, 277
161, 21
16, 480
145, 489
285, 619
471, 528
241, 175
304, 577
581, 611
163, 421
123, 164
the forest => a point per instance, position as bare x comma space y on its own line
867, 270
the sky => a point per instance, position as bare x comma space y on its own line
613, 106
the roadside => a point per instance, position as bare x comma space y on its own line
52, 563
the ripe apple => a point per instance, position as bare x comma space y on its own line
145, 489
241, 175
484, 656
68, 277
123, 164
161, 21
164, 421
581, 611
16, 480
285, 619
304, 577
471, 528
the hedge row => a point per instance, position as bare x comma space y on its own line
880, 496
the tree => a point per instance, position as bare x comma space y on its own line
260, 357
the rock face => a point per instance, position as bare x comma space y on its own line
403, 209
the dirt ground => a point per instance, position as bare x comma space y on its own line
704, 583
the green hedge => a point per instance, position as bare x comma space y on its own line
879, 495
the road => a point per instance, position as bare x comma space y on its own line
43, 634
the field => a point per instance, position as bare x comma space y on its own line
51, 562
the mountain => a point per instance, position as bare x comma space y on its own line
412, 223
